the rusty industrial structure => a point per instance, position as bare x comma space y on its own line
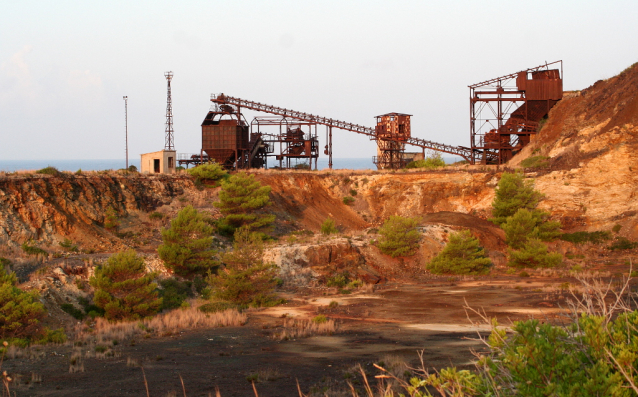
505, 114
168, 135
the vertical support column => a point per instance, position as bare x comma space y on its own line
330, 147
126, 127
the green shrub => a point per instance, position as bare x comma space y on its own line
124, 290
526, 224
32, 250
156, 215
348, 200
174, 292
462, 255
596, 237
616, 228
320, 319
338, 280
57, 336
432, 161
353, 192
535, 162
68, 245
328, 227
245, 278
534, 254
48, 171
20, 312
187, 244
399, 236
73, 311
622, 243
240, 200
513, 193
218, 306
208, 172
111, 219
6, 276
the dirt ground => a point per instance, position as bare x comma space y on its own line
390, 324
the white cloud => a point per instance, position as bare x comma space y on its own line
16, 80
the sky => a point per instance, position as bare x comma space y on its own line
65, 65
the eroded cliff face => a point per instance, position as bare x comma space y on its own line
50, 208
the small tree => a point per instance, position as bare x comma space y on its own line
461, 255
513, 193
526, 224
124, 290
245, 278
534, 254
239, 200
399, 236
20, 311
328, 227
111, 220
186, 247
432, 161
211, 172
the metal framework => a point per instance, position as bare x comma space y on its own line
168, 136
292, 141
505, 112
126, 125
466, 153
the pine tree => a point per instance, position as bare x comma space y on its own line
245, 278
20, 311
534, 254
512, 194
399, 236
526, 224
461, 255
239, 200
186, 248
123, 288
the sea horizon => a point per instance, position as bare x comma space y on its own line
352, 163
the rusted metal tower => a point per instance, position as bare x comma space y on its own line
392, 132
505, 112
168, 136
295, 140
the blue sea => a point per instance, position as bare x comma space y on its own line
98, 165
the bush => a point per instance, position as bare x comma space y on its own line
513, 193
7, 276
186, 248
155, 215
348, 200
534, 254
526, 224
68, 245
208, 172
111, 220
596, 237
57, 336
73, 311
535, 162
328, 227
432, 161
174, 293
353, 192
461, 255
132, 168
399, 236
124, 290
48, 171
20, 312
240, 198
245, 278
29, 249
622, 243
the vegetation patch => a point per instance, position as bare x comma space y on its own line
49, 171
399, 236
348, 200
462, 255
433, 161
622, 243
536, 162
597, 237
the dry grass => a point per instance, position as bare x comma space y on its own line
300, 328
169, 323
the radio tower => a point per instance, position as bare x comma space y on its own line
168, 138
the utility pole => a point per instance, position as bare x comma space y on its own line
168, 138
126, 126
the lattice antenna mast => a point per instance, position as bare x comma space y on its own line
168, 137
